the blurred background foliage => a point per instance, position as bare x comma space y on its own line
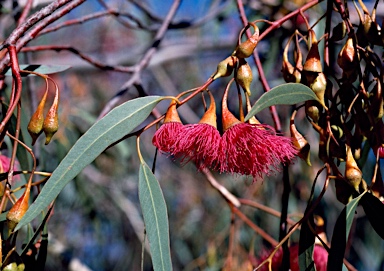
97, 224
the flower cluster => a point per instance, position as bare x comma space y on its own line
244, 148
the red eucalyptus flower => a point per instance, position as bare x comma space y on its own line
200, 142
251, 149
165, 137
320, 257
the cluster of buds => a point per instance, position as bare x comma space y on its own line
236, 62
368, 30
243, 148
50, 124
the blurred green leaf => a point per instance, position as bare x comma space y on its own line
112, 127
374, 209
155, 217
38, 68
291, 93
340, 235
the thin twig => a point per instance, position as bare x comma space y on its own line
139, 67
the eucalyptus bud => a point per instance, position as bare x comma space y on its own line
244, 76
353, 174
318, 85
312, 109
246, 48
313, 61
225, 67
348, 60
18, 210
292, 74
300, 142
51, 121
35, 125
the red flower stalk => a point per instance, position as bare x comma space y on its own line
166, 136
251, 149
200, 142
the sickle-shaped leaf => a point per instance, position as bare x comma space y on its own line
291, 93
340, 235
156, 218
112, 127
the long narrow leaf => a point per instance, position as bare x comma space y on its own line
340, 235
115, 125
39, 68
291, 93
306, 246
156, 218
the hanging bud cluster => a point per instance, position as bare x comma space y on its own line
236, 62
368, 30
48, 124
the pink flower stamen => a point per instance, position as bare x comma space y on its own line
254, 150
199, 143
166, 136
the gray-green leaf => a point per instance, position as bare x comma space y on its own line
340, 235
112, 127
290, 93
38, 68
155, 217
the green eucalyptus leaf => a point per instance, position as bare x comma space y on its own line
155, 218
307, 245
112, 127
340, 235
39, 68
374, 209
290, 93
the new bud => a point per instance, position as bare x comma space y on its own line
51, 122
225, 67
246, 48
313, 62
353, 174
35, 125
312, 110
318, 86
300, 142
18, 210
292, 74
348, 60
244, 76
